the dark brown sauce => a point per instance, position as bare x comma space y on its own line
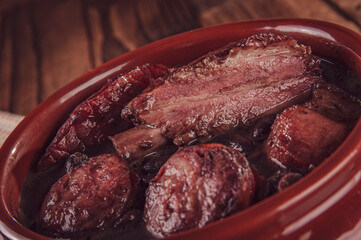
248, 140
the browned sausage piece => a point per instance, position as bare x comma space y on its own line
98, 117
301, 138
92, 196
197, 185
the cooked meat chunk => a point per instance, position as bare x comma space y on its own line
287, 180
301, 138
137, 142
335, 103
262, 128
74, 160
98, 117
94, 195
197, 185
233, 86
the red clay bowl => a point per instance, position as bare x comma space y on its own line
323, 205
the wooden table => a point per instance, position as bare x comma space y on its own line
44, 44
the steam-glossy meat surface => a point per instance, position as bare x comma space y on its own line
137, 142
94, 195
301, 138
334, 102
196, 186
99, 116
232, 86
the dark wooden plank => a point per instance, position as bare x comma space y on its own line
236, 10
24, 93
125, 25
111, 47
97, 36
265, 9
320, 10
6, 61
72, 36
350, 7
8, 4
160, 18
228, 11
63, 43
205, 5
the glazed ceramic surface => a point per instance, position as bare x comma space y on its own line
323, 205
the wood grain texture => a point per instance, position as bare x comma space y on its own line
44, 44
237, 10
97, 35
228, 11
8, 4
6, 59
111, 47
350, 8
160, 18
63, 43
24, 93
297, 9
125, 24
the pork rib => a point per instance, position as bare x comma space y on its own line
98, 117
137, 142
235, 85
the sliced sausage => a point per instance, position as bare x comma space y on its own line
197, 185
92, 196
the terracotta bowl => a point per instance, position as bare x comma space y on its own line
323, 205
